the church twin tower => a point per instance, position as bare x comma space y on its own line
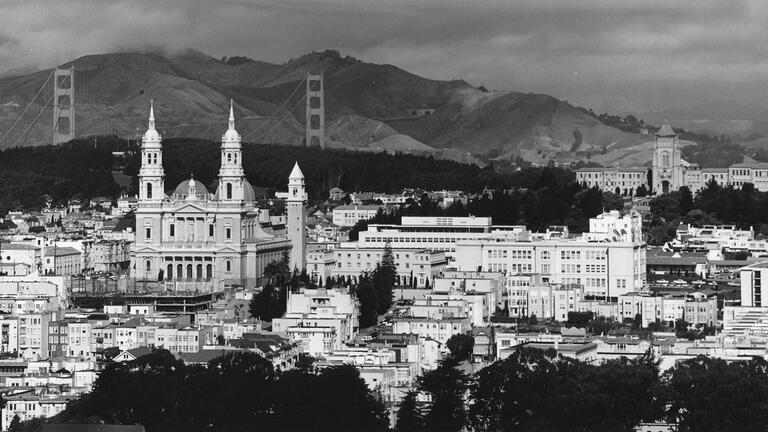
192, 235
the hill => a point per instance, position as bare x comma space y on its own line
368, 107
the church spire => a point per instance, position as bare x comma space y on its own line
151, 114
231, 115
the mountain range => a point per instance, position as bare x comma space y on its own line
369, 107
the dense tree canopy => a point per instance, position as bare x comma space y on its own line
714, 204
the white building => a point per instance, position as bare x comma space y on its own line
439, 329
435, 233
320, 320
754, 285
415, 267
349, 215
195, 236
622, 181
606, 268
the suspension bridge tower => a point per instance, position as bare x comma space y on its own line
63, 105
315, 111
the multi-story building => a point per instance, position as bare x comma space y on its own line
621, 181
182, 340
754, 285
321, 261
106, 255
695, 308
64, 261
192, 235
349, 215
20, 256
439, 329
435, 233
320, 320
606, 264
415, 267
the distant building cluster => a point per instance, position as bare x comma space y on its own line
669, 172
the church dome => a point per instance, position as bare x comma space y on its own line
183, 189
248, 193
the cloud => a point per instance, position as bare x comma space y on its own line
560, 47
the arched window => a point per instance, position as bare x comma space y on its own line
149, 190
229, 157
229, 265
179, 271
229, 190
189, 271
149, 266
209, 271
665, 159
169, 275
199, 272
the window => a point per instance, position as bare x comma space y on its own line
229, 190
229, 265
149, 190
172, 230
210, 230
149, 266
148, 233
228, 232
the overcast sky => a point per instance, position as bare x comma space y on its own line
633, 53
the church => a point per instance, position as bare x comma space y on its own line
669, 171
202, 240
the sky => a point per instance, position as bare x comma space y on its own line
605, 54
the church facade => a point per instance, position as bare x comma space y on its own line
198, 239
669, 171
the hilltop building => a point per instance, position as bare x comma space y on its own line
669, 171
197, 238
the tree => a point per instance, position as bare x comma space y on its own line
447, 385
461, 346
686, 200
369, 302
384, 279
220, 340
612, 201
270, 303
409, 417
641, 191
707, 394
15, 425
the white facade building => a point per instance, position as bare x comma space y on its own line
194, 236
349, 215
607, 265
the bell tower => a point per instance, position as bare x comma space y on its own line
151, 173
667, 166
297, 218
231, 174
